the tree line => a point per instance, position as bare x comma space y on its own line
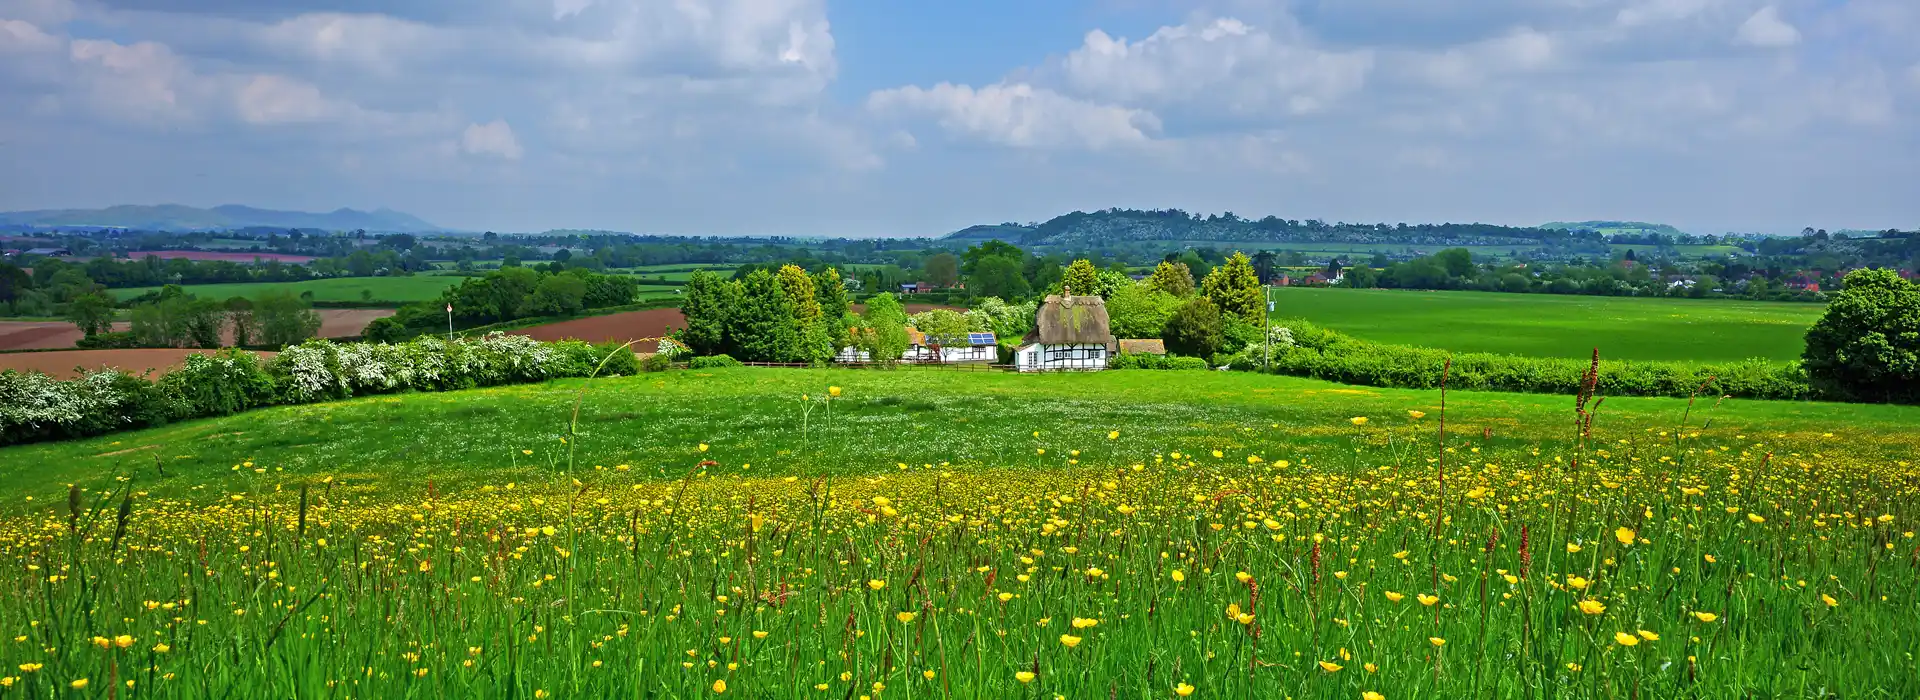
508, 294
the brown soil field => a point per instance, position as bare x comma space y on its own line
43, 335
651, 323
62, 364
239, 257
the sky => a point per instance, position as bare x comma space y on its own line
871, 117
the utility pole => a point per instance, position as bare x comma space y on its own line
1266, 324
449, 322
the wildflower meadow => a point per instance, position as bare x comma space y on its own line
1393, 560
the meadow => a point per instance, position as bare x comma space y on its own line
1571, 326
398, 290
912, 533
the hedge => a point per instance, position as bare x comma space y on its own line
1155, 362
35, 406
1324, 354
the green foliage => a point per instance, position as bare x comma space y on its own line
1140, 310
558, 295
762, 328
942, 270
284, 318
1235, 289
813, 339
1867, 346
225, 383
943, 323
1196, 329
709, 302
1172, 278
831, 293
92, 312
1081, 278
1156, 362
1324, 354
108, 341
657, 363
712, 362
883, 336
1006, 321
999, 276
178, 320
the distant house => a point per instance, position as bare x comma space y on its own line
1804, 283
48, 252
1070, 333
915, 287
1145, 346
968, 347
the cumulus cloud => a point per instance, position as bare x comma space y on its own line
1765, 29
494, 139
1020, 115
1224, 63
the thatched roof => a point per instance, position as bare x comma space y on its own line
1072, 320
1147, 346
915, 338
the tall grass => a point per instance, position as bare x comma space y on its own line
1697, 564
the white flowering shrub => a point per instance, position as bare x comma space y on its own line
671, 349
34, 406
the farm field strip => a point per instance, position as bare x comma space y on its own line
1545, 325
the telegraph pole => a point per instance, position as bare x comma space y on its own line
449, 322
1266, 324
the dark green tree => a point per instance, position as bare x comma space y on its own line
998, 276
92, 312
762, 327
1867, 346
1195, 330
1235, 289
709, 302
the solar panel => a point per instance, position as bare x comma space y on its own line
980, 338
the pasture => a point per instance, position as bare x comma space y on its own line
399, 290
1126, 534
1543, 325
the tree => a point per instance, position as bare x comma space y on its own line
92, 312
1081, 278
884, 337
1234, 289
709, 302
246, 330
762, 327
941, 323
1140, 311
558, 295
1173, 278
13, 281
1457, 261
1195, 329
285, 319
998, 276
942, 269
1867, 345
815, 343
831, 292
1266, 266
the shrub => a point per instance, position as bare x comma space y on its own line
657, 363
1156, 362
108, 341
713, 362
1867, 345
1196, 329
223, 384
618, 358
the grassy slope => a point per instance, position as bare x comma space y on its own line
752, 416
395, 289
1559, 326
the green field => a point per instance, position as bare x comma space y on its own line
393, 289
1542, 325
977, 419
1123, 534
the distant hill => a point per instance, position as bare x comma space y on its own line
1613, 227
175, 217
1114, 226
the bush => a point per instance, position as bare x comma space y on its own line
657, 363
713, 362
1156, 362
34, 406
1867, 345
108, 341
1196, 329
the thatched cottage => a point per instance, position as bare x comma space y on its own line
1070, 333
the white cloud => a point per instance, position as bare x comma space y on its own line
1020, 115
493, 138
1644, 12
1766, 29
1520, 50
20, 36
142, 82
273, 99
1224, 64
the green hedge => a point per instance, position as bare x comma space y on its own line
1155, 362
35, 406
1324, 354
713, 362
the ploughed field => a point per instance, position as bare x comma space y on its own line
1122, 534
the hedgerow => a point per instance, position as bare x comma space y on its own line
35, 406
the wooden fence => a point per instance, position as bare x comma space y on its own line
915, 366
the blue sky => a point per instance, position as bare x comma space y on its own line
817, 117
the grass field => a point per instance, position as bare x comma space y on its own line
1127, 534
394, 289
1542, 325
